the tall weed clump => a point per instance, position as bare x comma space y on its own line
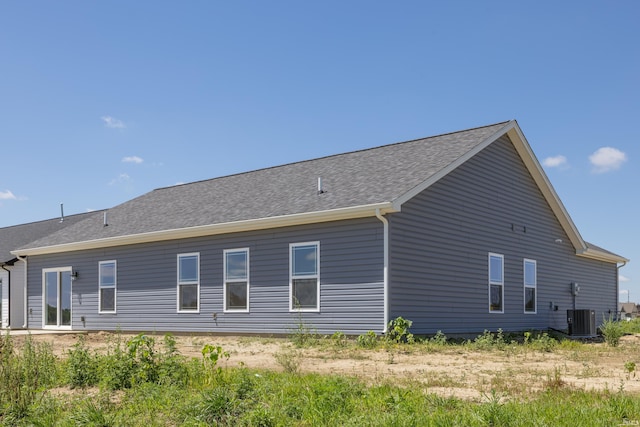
81, 366
116, 367
367, 340
138, 361
302, 334
540, 341
23, 375
612, 331
489, 341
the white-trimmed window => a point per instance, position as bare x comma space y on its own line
496, 283
304, 276
530, 284
236, 279
107, 284
188, 283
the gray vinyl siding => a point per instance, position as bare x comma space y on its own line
351, 289
439, 246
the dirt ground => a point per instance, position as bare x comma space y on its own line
455, 371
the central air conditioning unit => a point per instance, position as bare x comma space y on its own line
582, 323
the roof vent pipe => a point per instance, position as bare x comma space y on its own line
320, 189
61, 212
105, 223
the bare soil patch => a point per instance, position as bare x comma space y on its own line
451, 371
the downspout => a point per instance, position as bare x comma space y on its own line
26, 305
8, 296
385, 274
618, 288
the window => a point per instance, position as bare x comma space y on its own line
304, 279
189, 282
236, 280
107, 286
496, 283
530, 284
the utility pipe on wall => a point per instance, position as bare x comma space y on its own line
618, 267
385, 274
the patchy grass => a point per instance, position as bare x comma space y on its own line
496, 379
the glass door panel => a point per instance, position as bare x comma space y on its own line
51, 298
65, 298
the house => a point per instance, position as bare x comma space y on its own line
12, 268
459, 232
628, 310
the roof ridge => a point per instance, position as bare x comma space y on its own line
49, 219
328, 156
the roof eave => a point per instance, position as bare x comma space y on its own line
213, 229
602, 256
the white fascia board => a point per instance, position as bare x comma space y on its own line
398, 202
601, 256
213, 229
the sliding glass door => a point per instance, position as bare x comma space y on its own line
56, 296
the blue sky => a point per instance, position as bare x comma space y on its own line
103, 101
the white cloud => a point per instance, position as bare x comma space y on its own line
123, 178
7, 195
112, 122
132, 159
554, 162
606, 159
623, 279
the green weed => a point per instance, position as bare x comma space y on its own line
367, 340
82, 366
289, 360
612, 331
398, 331
24, 373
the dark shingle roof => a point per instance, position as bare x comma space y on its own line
356, 178
600, 249
16, 236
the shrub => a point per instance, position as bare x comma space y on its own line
612, 331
